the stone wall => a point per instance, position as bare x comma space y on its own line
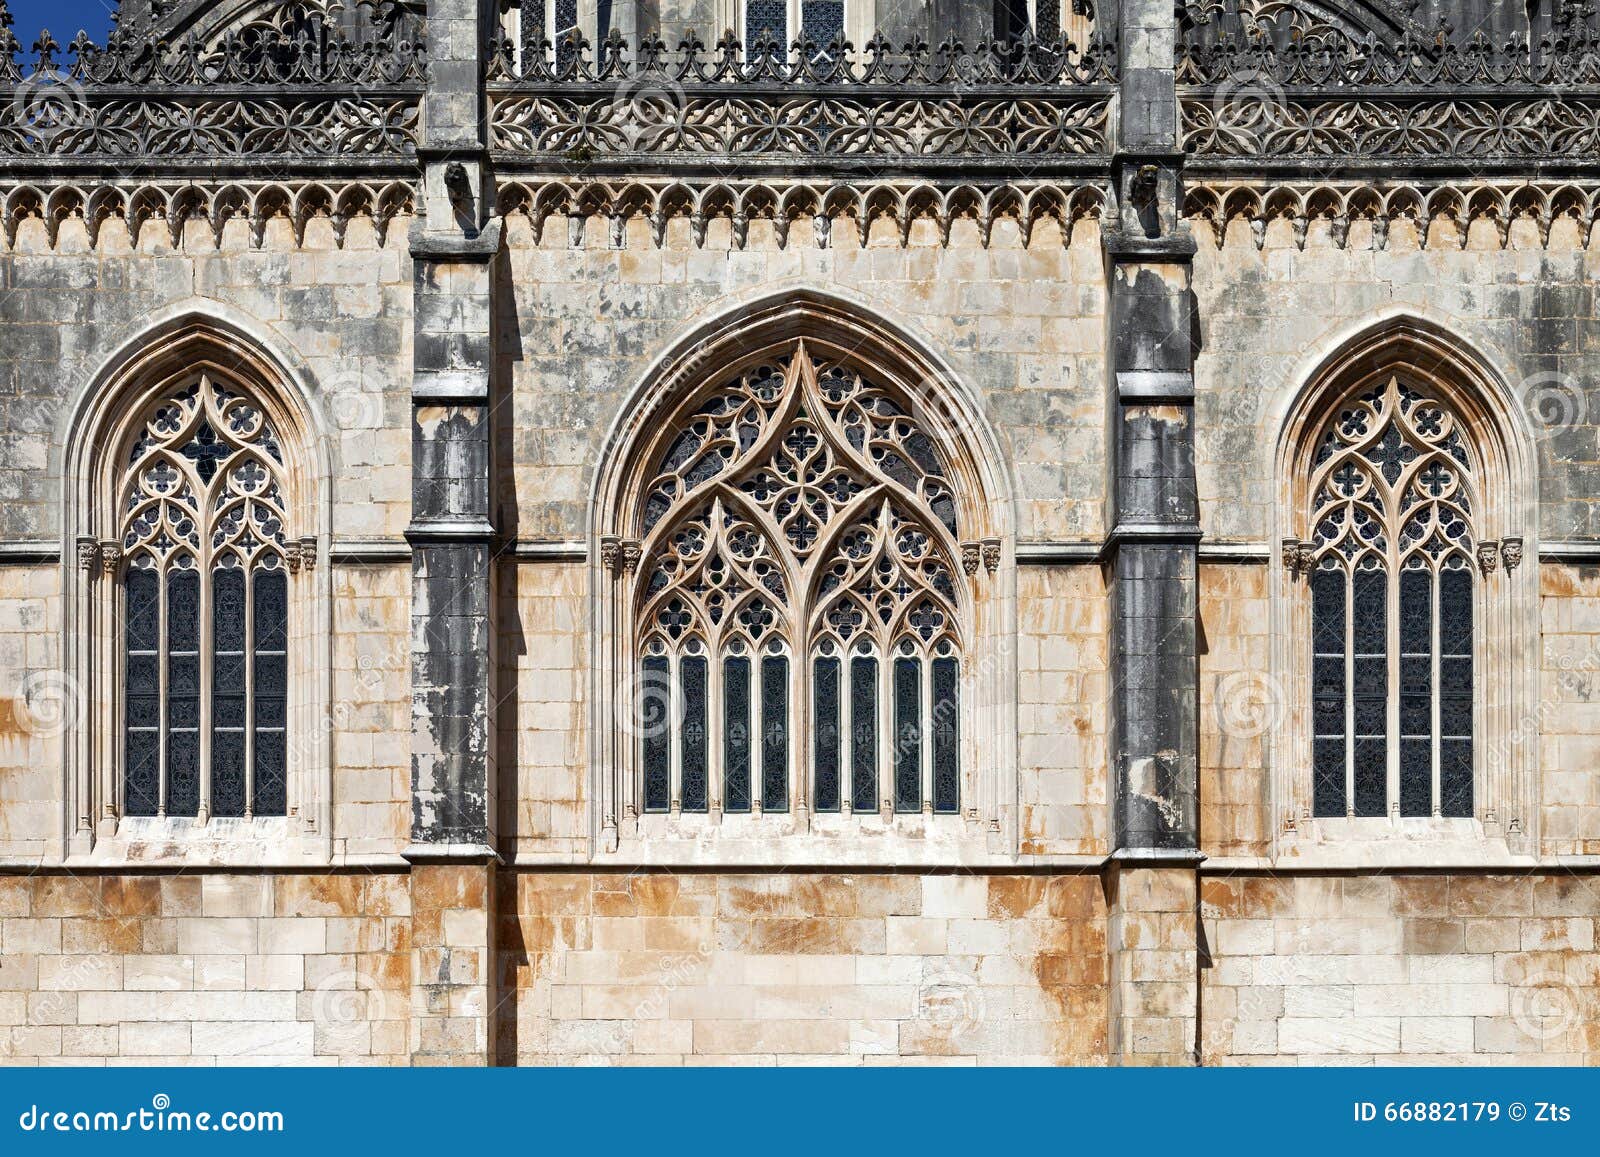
205, 969
801, 968
1437, 969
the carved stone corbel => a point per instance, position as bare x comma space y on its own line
1511, 552
991, 554
308, 553
88, 554
110, 556
610, 552
1488, 557
631, 554
970, 555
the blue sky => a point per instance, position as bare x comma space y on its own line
62, 17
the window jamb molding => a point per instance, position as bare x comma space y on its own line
1505, 599
97, 437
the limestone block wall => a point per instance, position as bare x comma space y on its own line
370, 713
342, 314
1023, 328
34, 707
802, 968
1061, 711
1240, 709
1568, 714
204, 969
1264, 313
1435, 969
544, 708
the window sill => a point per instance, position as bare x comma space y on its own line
150, 841
778, 839
1398, 842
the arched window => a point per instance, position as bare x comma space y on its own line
1405, 626
799, 609
196, 618
1392, 565
205, 609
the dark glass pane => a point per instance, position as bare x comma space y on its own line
271, 782
946, 736
907, 735
227, 693
654, 720
1328, 693
1047, 23
183, 693
775, 734
270, 599
825, 743
736, 734
227, 772
142, 694
1416, 693
1455, 693
864, 734
143, 610
822, 20
766, 16
1370, 691
692, 672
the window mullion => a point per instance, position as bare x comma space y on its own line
1350, 691
163, 627
249, 720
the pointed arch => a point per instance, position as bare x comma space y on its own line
1407, 501
859, 470
196, 617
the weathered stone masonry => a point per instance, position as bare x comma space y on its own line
1116, 276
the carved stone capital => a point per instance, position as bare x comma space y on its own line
1299, 557
1488, 556
110, 556
291, 556
631, 554
308, 553
610, 552
88, 554
970, 555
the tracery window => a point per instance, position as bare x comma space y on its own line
799, 611
1391, 566
204, 656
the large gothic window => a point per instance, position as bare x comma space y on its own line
204, 619
799, 606
1391, 565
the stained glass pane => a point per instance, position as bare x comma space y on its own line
1370, 687
1328, 692
696, 795
183, 693
227, 693
1416, 693
1047, 21
736, 734
864, 734
822, 20
907, 735
142, 693
271, 606
1455, 693
653, 717
825, 739
946, 736
763, 17
775, 733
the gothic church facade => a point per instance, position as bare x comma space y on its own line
801, 531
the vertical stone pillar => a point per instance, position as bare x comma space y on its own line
1150, 553
454, 247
